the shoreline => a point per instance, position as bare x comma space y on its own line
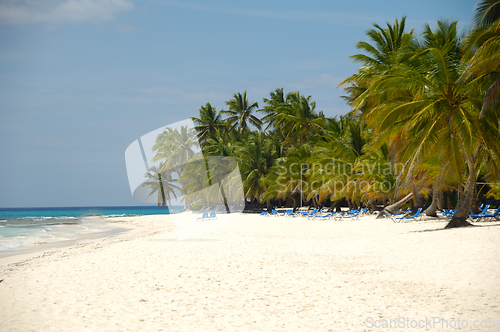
258, 273
26, 252
120, 225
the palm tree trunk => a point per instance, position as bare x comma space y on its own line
391, 209
459, 196
448, 200
224, 198
163, 200
475, 202
440, 203
372, 204
459, 218
431, 210
417, 203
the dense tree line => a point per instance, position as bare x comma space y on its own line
424, 123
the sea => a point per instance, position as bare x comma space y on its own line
21, 229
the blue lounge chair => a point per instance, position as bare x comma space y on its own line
288, 213
347, 215
274, 212
355, 211
480, 215
204, 216
213, 215
265, 214
491, 216
414, 217
448, 212
313, 212
326, 216
317, 214
402, 213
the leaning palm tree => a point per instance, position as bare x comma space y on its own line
240, 113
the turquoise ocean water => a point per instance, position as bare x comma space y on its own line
22, 227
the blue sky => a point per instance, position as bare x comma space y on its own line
82, 79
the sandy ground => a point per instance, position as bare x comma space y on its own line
262, 274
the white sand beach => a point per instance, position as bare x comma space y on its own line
261, 274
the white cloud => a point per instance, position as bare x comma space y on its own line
56, 11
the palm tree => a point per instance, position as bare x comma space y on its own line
486, 12
387, 46
256, 155
176, 148
208, 121
441, 115
163, 184
334, 158
484, 45
240, 113
276, 100
297, 118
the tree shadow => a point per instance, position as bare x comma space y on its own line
448, 229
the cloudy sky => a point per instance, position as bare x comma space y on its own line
82, 79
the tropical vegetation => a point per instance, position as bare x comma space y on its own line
423, 129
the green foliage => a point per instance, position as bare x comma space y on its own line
424, 115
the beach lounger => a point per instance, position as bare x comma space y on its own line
204, 216
274, 213
265, 214
350, 212
448, 212
326, 216
313, 212
401, 214
213, 215
480, 215
288, 213
342, 216
414, 217
491, 216
317, 214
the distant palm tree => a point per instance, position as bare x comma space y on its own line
175, 148
161, 183
240, 113
208, 121
276, 100
256, 155
336, 156
297, 118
